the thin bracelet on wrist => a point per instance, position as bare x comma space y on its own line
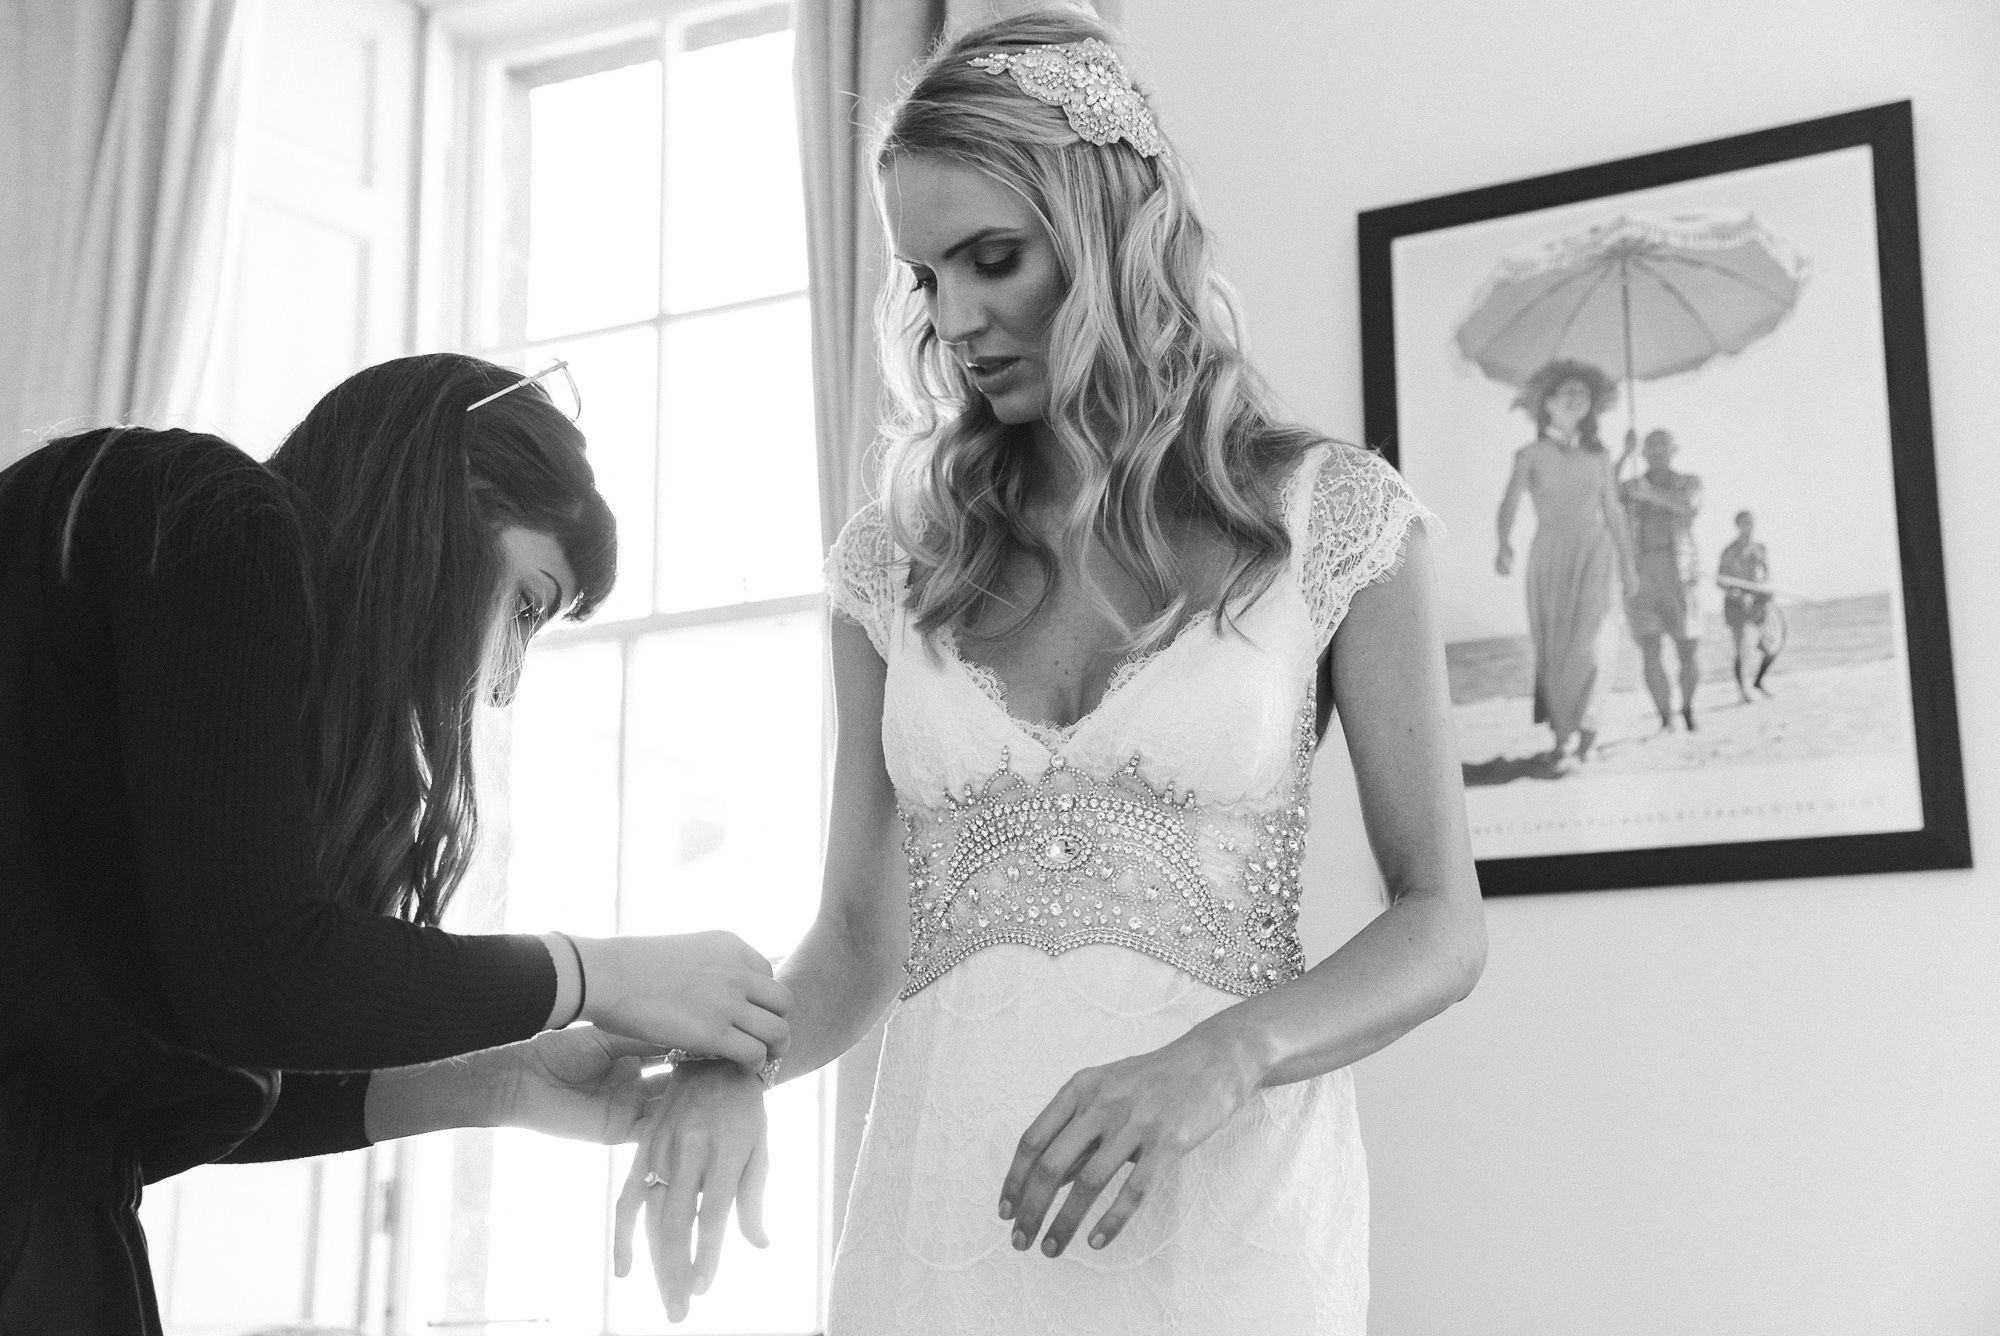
768, 1073
582, 980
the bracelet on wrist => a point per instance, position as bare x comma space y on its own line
768, 1073
582, 980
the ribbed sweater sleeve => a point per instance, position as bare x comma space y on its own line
317, 1113
210, 640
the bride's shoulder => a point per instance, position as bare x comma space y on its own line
864, 570
1338, 478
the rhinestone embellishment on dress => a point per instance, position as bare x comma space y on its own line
1071, 859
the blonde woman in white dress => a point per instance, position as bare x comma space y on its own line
1076, 646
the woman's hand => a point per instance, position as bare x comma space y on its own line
581, 1084
1503, 561
707, 992
705, 1139
1148, 1111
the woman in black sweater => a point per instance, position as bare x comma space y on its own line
236, 794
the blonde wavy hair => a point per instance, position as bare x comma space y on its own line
1151, 399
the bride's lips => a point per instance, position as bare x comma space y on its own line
988, 371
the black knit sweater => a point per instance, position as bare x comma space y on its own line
165, 949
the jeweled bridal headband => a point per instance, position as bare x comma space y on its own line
1088, 81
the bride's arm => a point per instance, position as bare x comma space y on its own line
705, 1139
847, 968
1415, 959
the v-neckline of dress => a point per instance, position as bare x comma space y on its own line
1050, 734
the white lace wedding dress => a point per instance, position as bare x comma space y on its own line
1087, 893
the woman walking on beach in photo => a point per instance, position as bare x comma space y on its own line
1579, 554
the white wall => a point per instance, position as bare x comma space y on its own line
1762, 1109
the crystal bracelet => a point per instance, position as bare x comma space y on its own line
768, 1073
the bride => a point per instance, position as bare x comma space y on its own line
1083, 647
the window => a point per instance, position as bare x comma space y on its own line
617, 185
629, 200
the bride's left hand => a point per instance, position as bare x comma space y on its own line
1149, 1110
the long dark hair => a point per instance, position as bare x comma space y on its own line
403, 494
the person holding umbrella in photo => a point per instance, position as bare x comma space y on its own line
1664, 601
1579, 555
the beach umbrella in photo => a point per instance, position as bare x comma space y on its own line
1643, 296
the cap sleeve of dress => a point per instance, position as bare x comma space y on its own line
1357, 521
863, 571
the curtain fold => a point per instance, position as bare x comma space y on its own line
124, 117
849, 55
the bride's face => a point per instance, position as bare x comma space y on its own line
989, 274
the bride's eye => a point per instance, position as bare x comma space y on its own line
529, 613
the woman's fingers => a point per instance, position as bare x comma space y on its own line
1084, 1190
750, 1195
769, 994
625, 1214
672, 1231
742, 1048
1033, 1142
719, 1183
767, 1029
1058, 1164
1129, 1199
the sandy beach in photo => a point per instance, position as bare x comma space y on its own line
1835, 691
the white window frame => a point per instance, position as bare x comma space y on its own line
467, 46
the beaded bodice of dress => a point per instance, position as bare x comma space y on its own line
1171, 819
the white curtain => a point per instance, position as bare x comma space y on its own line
120, 120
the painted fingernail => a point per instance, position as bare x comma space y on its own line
1050, 1247
1098, 1240
1006, 1209
1021, 1240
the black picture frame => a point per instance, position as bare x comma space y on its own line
1586, 861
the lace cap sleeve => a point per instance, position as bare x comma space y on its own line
862, 572
1357, 520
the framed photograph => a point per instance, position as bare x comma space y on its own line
1674, 413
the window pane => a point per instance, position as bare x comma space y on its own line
548, 1245
617, 378
593, 200
723, 776
735, 204
561, 821
739, 491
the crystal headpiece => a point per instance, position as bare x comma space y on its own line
1088, 81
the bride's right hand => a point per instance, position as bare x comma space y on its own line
705, 1142
707, 992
